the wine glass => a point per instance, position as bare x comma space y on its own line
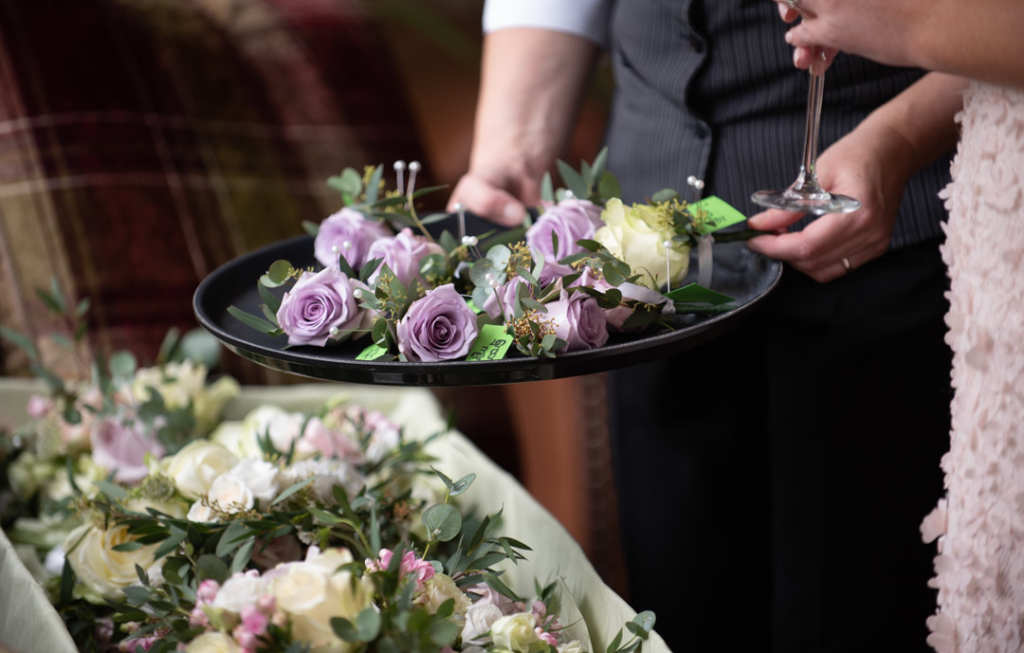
805, 195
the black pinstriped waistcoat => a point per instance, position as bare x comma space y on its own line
708, 88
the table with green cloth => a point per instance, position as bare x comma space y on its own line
29, 624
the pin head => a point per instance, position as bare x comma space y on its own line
459, 208
357, 293
399, 165
667, 244
569, 194
414, 166
335, 249
699, 184
691, 180
347, 245
469, 241
334, 331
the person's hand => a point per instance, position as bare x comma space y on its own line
497, 194
804, 57
876, 29
866, 164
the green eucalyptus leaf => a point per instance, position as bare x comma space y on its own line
547, 191
461, 485
251, 321
122, 364
573, 180
665, 195
311, 228
210, 566
199, 346
443, 522
600, 161
608, 187
373, 188
368, 625
279, 270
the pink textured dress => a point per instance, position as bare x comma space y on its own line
980, 524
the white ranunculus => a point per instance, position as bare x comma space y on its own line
637, 235
282, 427
105, 573
259, 476
230, 495
312, 592
213, 643
328, 473
202, 513
479, 618
439, 589
240, 590
197, 466
516, 633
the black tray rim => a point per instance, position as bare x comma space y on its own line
306, 361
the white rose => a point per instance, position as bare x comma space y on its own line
202, 513
230, 495
240, 590
439, 589
260, 477
177, 383
479, 619
213, 643
516, 633
210, 401
197, 466
575, 646
237, 439
105, 572
282, 427
312, 592
636, 235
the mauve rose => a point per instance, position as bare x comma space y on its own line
506, 294
124, 448
320, 307
438, 327
402, 254
349, 234
571, 223
579, 321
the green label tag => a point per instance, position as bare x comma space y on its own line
473, 307
695, 294
717, 213
491, 345
372, 353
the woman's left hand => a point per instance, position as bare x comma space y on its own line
866, 164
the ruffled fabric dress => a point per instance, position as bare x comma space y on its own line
980, 523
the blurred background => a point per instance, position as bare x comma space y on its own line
143, 143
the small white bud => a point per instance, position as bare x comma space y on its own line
469, 241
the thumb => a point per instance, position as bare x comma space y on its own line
482, 197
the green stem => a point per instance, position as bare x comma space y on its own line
746, 234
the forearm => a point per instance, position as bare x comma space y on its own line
532, 86
981, 39
917, 126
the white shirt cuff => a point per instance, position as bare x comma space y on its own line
586, 18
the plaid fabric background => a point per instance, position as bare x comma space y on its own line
145, 142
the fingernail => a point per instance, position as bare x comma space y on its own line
513, 213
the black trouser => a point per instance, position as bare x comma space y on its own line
772, 482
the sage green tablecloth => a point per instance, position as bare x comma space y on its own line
28, 623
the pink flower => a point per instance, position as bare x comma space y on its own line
579, 321
253, 620
123, 448
410, 565
38, 406
546, 637
402, 254
207, 590
246, 640
318, 438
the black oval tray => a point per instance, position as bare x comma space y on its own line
738, 272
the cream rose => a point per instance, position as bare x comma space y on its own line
517, 633
240, 590
230, 495
104, 572
237, 439
213, 643
197, 466
479, 618
575, 646
637, 235
281, 426
260, 477
439, 589
312, 592
202, 513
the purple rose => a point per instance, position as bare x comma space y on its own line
347, 233
320, 307
123, 448
571, 223
438, 327
579, 321
402, 254
506, 294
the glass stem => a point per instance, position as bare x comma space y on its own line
808, 175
